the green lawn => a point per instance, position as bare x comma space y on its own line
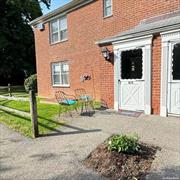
17, 91
46, 117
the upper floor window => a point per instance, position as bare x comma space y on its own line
60, 74
58, 30
107, 8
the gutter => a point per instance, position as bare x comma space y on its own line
71, 6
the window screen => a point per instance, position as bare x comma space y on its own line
59, 30
107, 8
132, 64
54, 31
60, 73
63, 28
176, 62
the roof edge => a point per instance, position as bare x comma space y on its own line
71, 6
137, 34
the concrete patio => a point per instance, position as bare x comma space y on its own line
59, 155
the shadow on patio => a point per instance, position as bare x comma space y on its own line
172, 172
71, 130
54, 131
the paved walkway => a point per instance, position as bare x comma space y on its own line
59, 156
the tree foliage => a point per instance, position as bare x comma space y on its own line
17, 52
31, 83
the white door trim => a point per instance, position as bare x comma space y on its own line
144, 42
167, 39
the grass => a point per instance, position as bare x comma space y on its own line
16, 91
46, 116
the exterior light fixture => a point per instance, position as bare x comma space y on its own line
106, 53
41, 27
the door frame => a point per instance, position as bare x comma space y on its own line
168, 39
121, 81
144, 42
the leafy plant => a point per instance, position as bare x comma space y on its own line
124, 143
31, 83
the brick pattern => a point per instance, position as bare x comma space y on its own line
107, 80
156, 74
85, 26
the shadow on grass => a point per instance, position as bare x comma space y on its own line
29, 120
4, 102
55, 131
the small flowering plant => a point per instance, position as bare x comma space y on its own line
124, 143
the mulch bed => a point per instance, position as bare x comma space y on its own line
114, 165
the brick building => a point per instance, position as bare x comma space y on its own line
129, 49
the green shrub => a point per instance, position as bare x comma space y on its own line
31, 83
124, 143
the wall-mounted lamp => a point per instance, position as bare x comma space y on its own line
106, 53
41, 26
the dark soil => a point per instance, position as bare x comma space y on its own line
114, 165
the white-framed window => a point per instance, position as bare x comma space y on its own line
60, 73
107, 8
58, 30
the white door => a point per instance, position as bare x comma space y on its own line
174, 79
131, 80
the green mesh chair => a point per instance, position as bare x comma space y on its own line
65, 100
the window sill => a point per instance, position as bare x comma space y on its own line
106, 17
61, 86
51, 44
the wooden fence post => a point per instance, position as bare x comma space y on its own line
9, 90
33, 111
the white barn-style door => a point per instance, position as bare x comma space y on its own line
170, 73
174, 79
132, 74
132, 80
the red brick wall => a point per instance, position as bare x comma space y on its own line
87, 25
156, 74
107, 80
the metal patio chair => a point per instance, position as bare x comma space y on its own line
84, 99
65, 100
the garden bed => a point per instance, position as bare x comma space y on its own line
114, 165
